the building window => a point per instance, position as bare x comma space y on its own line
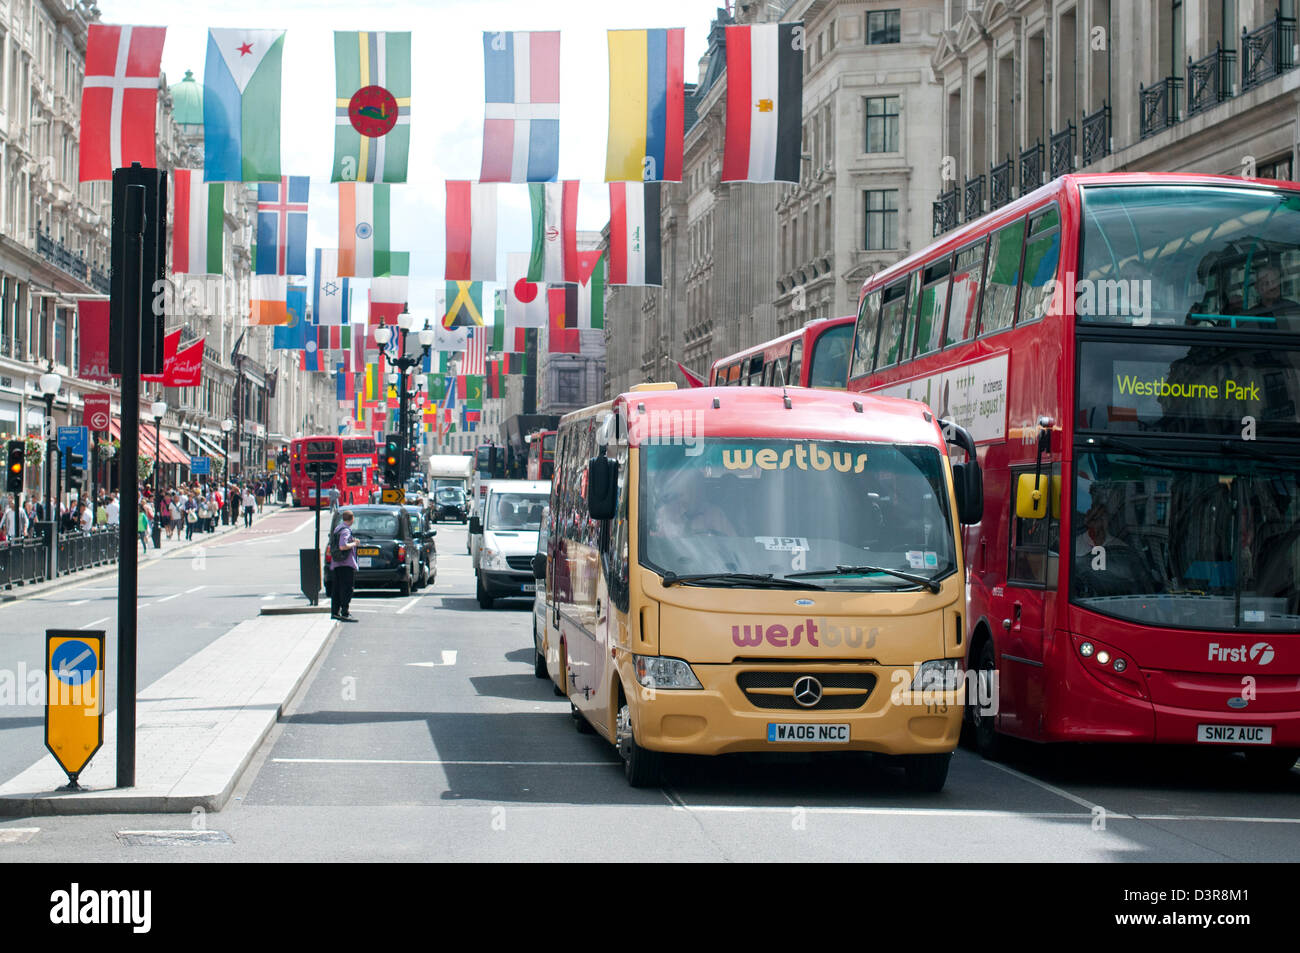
882, 124
567, 384
881, 219
882, 27
1279, 169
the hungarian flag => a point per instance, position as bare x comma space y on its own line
525, 297
634, 234
282, 226
119, 99
198, 224
364, 216
241, 106
646, 106
466, 304
563, 336
764, 103
555, 230
372, 123
521, 116
269, 300
471, 231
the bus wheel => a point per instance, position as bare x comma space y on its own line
580, 720
1271, 763
987, 740
642, 768
926, 773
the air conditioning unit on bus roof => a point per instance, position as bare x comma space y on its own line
656, 385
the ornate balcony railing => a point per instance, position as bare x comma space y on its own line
1210, 80
1000, 184
100, 281
1267, 51
62, 257
973, 198
1158, 105
1031, 168
945, 212
1062, 151
1095, 130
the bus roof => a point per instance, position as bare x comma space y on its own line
761, 412
817, 324
1067, 186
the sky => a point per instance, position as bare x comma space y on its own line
446, 100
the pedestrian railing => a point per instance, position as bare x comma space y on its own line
25, 561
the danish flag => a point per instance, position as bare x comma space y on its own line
120, 99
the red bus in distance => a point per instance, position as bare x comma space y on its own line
541, 455
1125, 351
353, 470
816, 355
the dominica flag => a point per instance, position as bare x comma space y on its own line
241, 106
764, 103
646, 106
372, 123
364, 246
198, 224
465, 304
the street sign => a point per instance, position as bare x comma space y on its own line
270, 466
391, 495
75, 440
200, 466
74, 706
95, 411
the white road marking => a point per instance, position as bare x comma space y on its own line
96, 622
522, 764
270, 596
303, 526
350, 611
679, 805
17, 835
79, 602
409, 605
174, 595
195, 589
1082, 802
448, 658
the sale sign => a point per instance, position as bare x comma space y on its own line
95, 411
93, 323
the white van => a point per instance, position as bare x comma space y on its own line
503, 539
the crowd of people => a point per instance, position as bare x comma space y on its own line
180, 511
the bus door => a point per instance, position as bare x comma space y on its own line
1027, 606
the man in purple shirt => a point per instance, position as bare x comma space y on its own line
343, 567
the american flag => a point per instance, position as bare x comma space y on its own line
475, 361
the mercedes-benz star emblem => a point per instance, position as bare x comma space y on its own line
807, 691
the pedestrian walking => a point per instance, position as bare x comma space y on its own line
343, 567
333, 495
191, 516
113, 509
87, 518
250, 505
260, 494
142, 524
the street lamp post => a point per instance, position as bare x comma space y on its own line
159, 410
49, 384
227, 425
383, 334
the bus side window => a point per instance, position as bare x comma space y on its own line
756, 370
1042, 255
934, 301
769, 373
793, 376
999, 304
967, 282
893, 319
865, 335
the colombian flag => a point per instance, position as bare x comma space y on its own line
646, 106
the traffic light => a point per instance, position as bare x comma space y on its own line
76, 471
14, 466
392, 460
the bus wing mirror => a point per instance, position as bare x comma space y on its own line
602, 488
1032, 492
539, 566
968, 484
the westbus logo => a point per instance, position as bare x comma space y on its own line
1260, 653
781, 636
802, 456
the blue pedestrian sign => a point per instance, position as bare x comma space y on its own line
200, 466
74, 662
74, 440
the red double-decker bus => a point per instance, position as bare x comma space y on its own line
541, 455
816, 355
1125, 349
353, 471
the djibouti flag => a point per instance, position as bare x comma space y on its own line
241, 106
372, 122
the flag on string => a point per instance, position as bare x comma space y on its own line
764, 103
521, 116
198, 224
292, 335
282, 226
646, 106
372, 124
471, 231
471, 390
494, 384
269, 302
562, 335
364, 217
311, 359
241, 106
450, 339
388, 297
333, 337
475, 352
466, 304
331, 301
555, 230
634, 257
344, 383
119, 99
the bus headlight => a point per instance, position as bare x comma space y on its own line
938, 675
655, 672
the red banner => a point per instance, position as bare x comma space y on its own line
186, 368
171, 342
95, 411
92, 320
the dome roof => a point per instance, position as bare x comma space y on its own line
187, 100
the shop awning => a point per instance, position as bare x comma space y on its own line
168, 452
209, 448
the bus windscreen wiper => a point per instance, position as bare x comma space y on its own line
863, 570
761, 580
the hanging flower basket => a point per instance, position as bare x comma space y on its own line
108, 449
146, 466
35, 450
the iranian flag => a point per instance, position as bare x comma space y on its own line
764, 103
198, 223
555, 231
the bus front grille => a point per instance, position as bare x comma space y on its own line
775, 691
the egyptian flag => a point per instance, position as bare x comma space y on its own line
634, 234
764, 103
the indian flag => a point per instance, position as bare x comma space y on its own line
198, 224
364, 250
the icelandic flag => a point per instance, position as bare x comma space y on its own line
293, 336
282, 226
241, 106
521, 116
